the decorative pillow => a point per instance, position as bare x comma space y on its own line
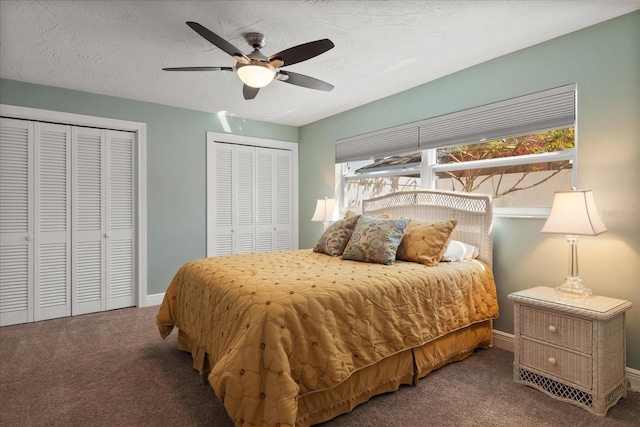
375, 240
336, 236
457, 250
426, 242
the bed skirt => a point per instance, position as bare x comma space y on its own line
406, 367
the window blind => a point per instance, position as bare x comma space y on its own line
541, 111
536, 112
382, 143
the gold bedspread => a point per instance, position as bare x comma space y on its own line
280, 325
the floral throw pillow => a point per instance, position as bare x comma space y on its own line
335, 238
375, 240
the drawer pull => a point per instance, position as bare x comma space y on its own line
552, 328
552, 360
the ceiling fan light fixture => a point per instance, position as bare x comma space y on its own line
257, 76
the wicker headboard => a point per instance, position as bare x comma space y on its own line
474, 213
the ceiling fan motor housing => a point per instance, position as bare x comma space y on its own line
256, 40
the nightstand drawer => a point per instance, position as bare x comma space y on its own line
565, 331
557, 363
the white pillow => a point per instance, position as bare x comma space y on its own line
458, 250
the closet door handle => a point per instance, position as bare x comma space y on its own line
106, 235
29, 238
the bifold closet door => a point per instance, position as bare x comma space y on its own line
67, 220
35, 224
233, 199
16, 221
52, 207
283, 200
121, 248
273, 199
103, 247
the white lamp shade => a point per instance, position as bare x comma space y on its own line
574, 213
325, 210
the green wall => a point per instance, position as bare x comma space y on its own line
176, 161
604, 62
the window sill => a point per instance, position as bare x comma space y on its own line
526, 213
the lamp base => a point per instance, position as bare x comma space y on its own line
573, 285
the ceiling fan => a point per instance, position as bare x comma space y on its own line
257, 70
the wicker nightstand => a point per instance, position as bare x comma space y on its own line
571, 348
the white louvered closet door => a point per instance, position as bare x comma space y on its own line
103, 220
251, 199
273, 199
283, 200
119, 239
222, 203
67, 220
89, 222
243, 199
52, 239
233, 199
16, 221
265, 224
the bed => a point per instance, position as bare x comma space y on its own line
299, 337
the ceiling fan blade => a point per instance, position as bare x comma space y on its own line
219, 42
302, 52
304, 81
249, 92
198, 69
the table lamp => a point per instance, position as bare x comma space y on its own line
574, 214
325, 212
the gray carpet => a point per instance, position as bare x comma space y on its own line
113, 369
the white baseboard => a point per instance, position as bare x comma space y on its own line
633, 376
504, 341
153, 299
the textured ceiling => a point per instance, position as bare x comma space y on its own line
119, 48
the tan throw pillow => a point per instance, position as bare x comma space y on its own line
426, 242
335, 238
375, 240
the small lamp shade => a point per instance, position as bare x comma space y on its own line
325, 211
575, 213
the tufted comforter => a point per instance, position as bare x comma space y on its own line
279, 325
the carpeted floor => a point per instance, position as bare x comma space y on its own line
113, 369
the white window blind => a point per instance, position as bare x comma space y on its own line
536, 112
550, 109
378, 144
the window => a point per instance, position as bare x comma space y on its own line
372, 178
521, 172
530, 153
